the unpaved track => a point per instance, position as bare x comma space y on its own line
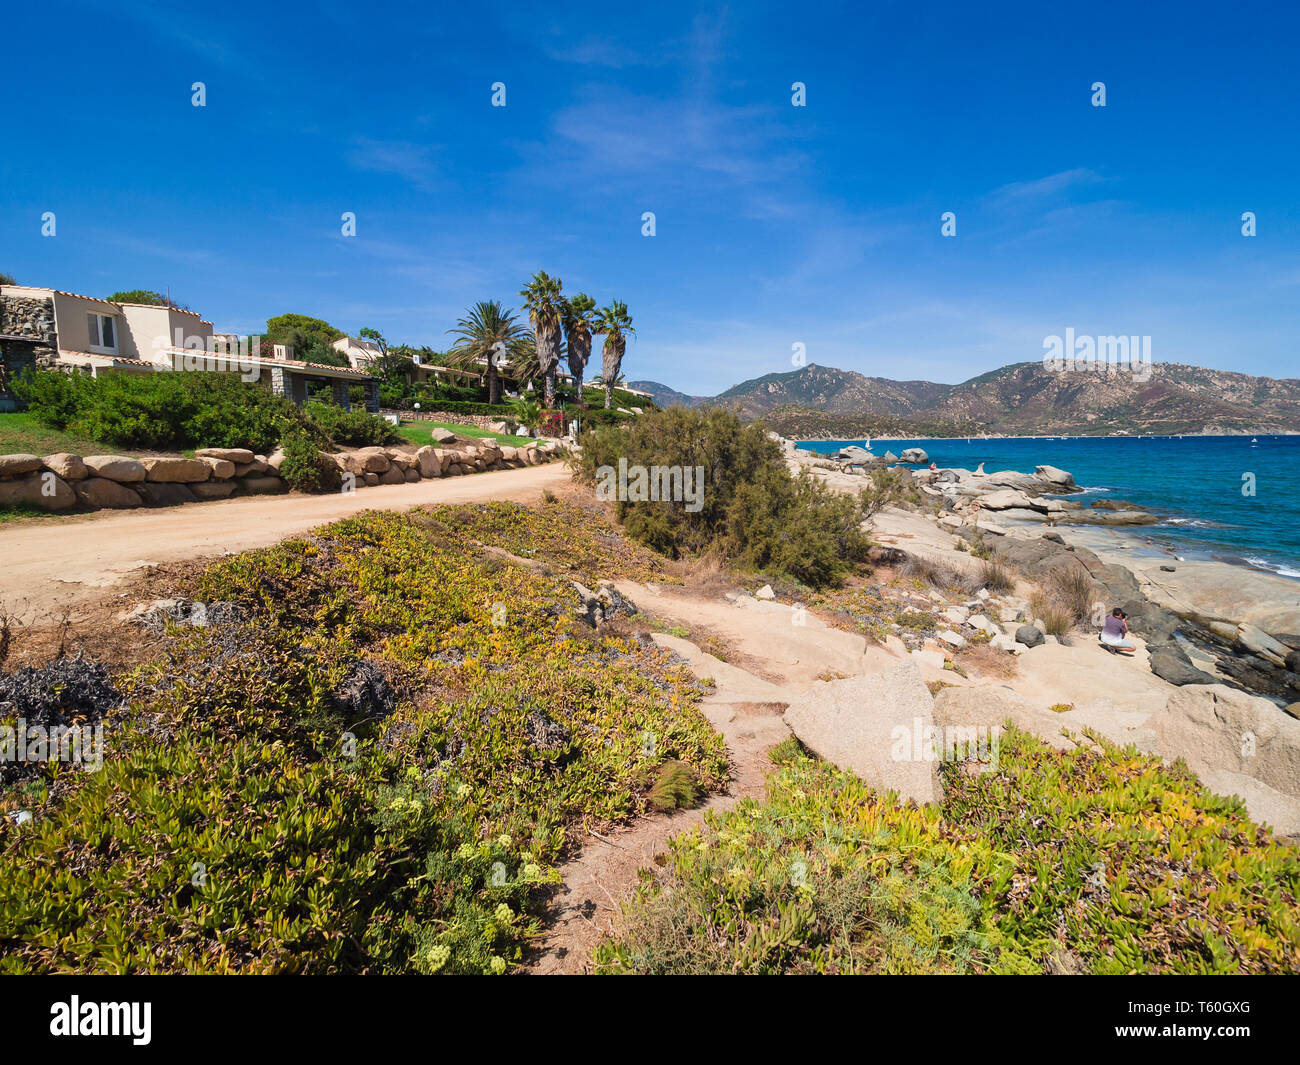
53, 563
744, 708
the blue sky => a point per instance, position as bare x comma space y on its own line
775, 224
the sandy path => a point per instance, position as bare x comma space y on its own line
51, 563
744, 708
604, 875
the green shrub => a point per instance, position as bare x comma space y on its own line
352, 428
162, 410
749, 505
305, 468
247, 818
885, 488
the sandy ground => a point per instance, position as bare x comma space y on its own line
745, 708
1117, 696
54, 563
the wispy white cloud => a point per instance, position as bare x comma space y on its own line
1037, 190
410, 161
605, 51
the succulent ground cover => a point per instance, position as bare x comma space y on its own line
1094, 860
563, 536
370, 766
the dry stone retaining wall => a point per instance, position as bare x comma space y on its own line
94, 482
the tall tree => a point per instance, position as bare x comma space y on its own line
577, 317
615, 325
542, 298
489, 333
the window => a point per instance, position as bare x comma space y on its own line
103, 332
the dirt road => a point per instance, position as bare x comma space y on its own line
51, 563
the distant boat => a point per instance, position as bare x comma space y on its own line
1253, 441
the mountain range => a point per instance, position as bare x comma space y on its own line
1025, 398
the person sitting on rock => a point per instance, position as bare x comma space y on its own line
1114, 631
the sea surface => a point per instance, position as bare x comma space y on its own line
1196, 484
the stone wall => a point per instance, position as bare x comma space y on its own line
33, 320
65, 482
29, 317
479, 421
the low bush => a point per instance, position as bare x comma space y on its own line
305, 468
258, 811
747, 505
162, 411
352, 428
1098, 859
175, 411
885, 488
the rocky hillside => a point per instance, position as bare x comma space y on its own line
667, 397
834, 391
1027, 398
1024, 398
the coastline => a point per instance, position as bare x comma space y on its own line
1209, 620
1189, 515
1044, 436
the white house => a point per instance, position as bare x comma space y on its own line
51, 328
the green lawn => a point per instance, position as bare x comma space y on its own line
21, 433
421, 433
21, 512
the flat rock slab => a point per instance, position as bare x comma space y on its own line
17, 464
873, 727
229, 454
115, 468
175, 469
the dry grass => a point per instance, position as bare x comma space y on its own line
706, 574
1075, 589
988, 661
997, 575
938, 575
1058, 618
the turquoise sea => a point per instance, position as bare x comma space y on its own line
1197, 484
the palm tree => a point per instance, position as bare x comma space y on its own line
578, 316
485, 334
543, 300
612, 323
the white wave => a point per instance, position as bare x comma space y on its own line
1273, 567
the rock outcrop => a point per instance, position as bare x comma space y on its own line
879, 728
